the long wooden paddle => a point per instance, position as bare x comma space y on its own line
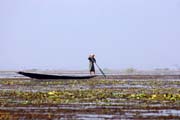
100, 70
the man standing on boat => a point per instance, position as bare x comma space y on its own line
92, 60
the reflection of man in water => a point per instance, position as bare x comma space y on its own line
92, 60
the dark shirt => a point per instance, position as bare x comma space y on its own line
93, 60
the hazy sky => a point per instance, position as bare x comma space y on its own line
60, 34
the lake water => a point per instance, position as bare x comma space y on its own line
119, 108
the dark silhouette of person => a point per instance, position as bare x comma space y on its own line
92, 60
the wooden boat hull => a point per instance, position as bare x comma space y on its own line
47, 76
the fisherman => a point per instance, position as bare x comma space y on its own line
92, 60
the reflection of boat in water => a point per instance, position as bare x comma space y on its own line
50, 76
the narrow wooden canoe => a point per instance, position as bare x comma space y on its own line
50, 76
